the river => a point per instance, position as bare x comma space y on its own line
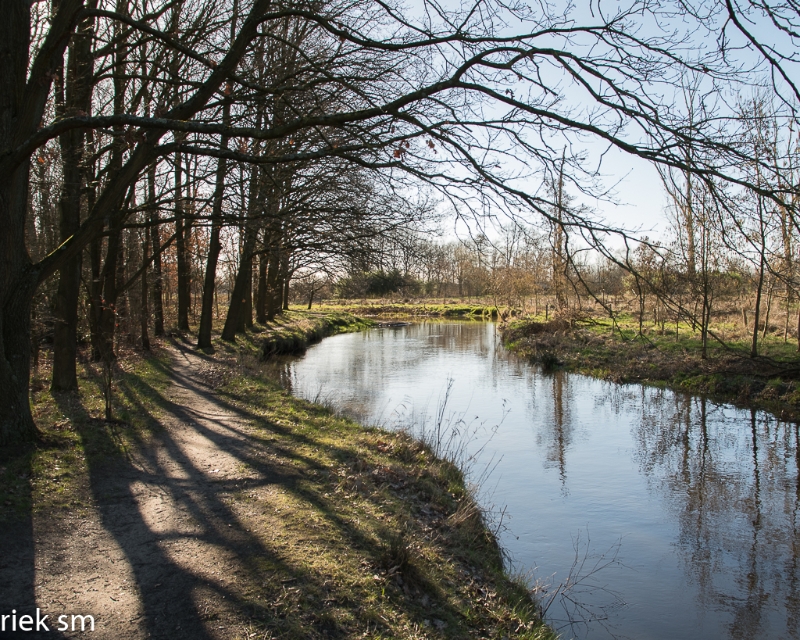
680, 515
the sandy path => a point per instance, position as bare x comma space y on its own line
164, 550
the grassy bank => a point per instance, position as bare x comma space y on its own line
292, 332
362, 533
673, 358
411, 309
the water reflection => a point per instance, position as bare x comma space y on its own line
703, 497
561, 434
730, 480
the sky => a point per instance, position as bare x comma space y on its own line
641, 198
641, 201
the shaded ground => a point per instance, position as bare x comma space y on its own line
241, 513
146, 560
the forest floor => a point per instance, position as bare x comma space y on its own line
216, 505
667, 356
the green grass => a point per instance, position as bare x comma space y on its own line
52, 473
616, 351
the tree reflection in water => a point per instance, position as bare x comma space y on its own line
561, 436
735, 493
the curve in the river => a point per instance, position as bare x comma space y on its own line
686, 509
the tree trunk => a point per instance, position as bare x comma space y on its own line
754, 343
181, 235
245, 314
798, 329
96, 298
706, 320
78, 94
155, 241
110, 276
145, 314
17, 285
770, 290
108, 310
207, 305
261, 296
559, 248
21, 108
214, 244
688, 222
243, 277
22, 105
122, 325
17, 280
273, 285
16, 421
234, 321
65, 338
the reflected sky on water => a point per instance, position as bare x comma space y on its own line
690, 508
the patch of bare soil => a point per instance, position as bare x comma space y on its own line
158, 552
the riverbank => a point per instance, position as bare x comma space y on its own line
292, 332
422, 308
593, 346
216, 505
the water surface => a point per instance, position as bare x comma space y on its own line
687, 508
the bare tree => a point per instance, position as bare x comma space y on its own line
449, 99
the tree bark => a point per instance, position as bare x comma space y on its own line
20, 112
95, 297
65, 339
108, 311
759, 287
180, 247
145, 314
246, 313
261, 297
122, 325
17, 285
243, 277
22, 106
244, 299
155, 241
273, 285
286, 278
78, 86
214, 244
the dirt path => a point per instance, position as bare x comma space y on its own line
164, 551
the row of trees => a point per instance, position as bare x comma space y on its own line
148, 149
